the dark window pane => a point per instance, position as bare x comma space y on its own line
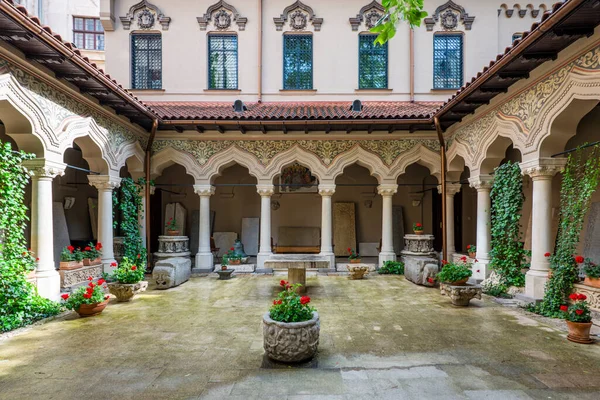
146, 61
297, 62
447, 61
222, 62
372, 63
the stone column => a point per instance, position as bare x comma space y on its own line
105, 185
541, 172
451, 190
42, 238
387, 252
204, 258
265, 251
142, 214
483, 185
326, 191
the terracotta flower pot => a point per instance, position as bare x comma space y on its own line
223, 267
88, 310
87, 262
70, 265
593, 282
235, 262
293, 341
579, 332
471, 255
355, 261
172, 232
418, 232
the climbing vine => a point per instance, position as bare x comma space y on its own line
508, 257
580, 179
20, 304
128, 201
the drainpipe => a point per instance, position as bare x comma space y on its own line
412, 64
260, 45
147, 194
443, 179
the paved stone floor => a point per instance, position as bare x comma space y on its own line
381, 338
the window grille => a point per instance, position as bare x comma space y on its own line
222, 62
297, 62
88, 33
372, 63
447, 61
146, 61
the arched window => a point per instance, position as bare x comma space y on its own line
146, 61
447, 61
222, 61
372, 63
297, 62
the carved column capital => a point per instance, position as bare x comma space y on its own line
451, 188
543, 168
204, 190
104, 182
387, 189
326, 189
265, 190
481, 182
42, 168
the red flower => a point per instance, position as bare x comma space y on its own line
304, 300
476, 260
98, 246
581, 296
105, 287
231, 249
64, 296
564, 308
91, 285
139, 255
106, 297
133, 268
578, 312
463, 258
87, 296
430, 280
444, 262
87, 248
113, 264
37, 259
349, 250
573, 296
282, 283
279, 302
287, 286
579, 259
546, 254
468, 246
274, 302
419, 224
90, 278
90, 290
478, 271
71, 248
100, 282
24, 253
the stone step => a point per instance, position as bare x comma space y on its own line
296, 257
303, 264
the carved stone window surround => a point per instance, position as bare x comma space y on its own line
219, 10
442, 11
295, 10
152, 14
365, 14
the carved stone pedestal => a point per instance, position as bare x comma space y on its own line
461, 295
73, 278
420, 259
172, 246
592, 293
171, 272
418, 245
357, 271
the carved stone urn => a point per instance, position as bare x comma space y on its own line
126, 291
291, 341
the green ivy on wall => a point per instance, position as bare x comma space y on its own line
128, 201
580, 179
508, 257
20, 304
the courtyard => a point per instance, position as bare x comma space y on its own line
382, 337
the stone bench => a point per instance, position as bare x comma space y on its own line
171, 272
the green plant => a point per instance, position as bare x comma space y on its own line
171, 224
229, 256
590, 269
392, 267
92, 251
579, 310
471, 248
289, 306
128, 200
580, 179
454, 272
90, 294
417, 227
352, 255
67, 254
410, 11
78, 255
508, 257
20, 303
128, 271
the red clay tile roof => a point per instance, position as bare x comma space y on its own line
304, 110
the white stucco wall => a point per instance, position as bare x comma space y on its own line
335, 50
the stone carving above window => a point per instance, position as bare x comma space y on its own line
222, 15
298, 15
369, 14
146, 15
448, 16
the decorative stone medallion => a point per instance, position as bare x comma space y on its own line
372, 18
222, 19
298, 20
146, 19
449, 20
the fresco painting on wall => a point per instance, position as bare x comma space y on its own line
297, 179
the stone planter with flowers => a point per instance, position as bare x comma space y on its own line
455, 273
592, 273
71, 258
291, 327
418, 228
128, 279
579, 319
87, 300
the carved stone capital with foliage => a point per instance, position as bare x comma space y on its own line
451, 188
481, 182
387, 190
265, 190
326, 189
42, 168
543, 168
104, 182
204, 190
